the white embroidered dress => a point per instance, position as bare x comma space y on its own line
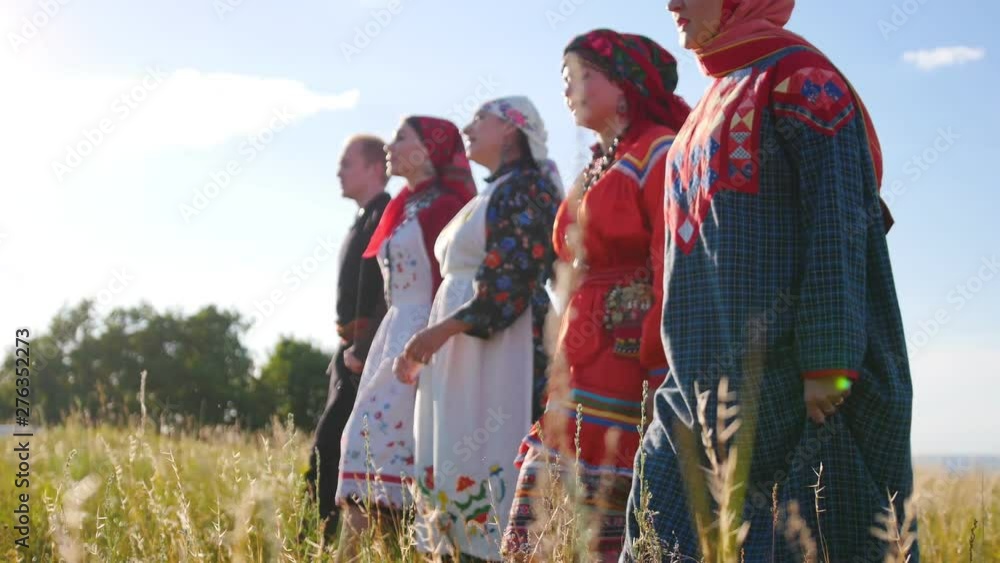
377, 443
473, 407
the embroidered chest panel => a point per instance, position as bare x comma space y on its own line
421, 201
400, 266
720, 146
713, 153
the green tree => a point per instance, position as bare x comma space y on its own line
54, 380
295, 381
197, 365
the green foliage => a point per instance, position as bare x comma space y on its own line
295, 379
198, 369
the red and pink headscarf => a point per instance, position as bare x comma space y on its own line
452, 174
644, 70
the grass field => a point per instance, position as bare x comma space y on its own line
101, 493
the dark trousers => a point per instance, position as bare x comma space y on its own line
322, 477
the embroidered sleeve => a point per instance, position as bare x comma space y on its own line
518, 249
834, 167
816, 96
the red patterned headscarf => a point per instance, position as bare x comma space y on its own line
644, 70
447, 153
452, 174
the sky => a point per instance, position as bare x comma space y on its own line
184, 153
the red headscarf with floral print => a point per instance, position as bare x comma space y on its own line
452, 174
643, 69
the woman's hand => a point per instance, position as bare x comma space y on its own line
824, 395
406, 371
424, 344
352, 362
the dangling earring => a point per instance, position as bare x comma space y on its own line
622, 106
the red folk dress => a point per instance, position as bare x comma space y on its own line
610, 349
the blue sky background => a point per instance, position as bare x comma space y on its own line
118, 214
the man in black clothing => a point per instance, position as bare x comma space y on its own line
360, 308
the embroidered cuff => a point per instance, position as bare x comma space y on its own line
657, 373
819, 374
656, 377
477, 320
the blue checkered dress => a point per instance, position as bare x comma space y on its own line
766, 287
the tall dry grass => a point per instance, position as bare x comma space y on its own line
103, 493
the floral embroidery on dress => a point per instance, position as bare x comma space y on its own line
400, 267
404, 269
471, 508
625, 309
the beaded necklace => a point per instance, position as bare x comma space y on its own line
601, 164
598, 166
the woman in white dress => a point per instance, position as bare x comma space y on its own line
483, 387
377, 443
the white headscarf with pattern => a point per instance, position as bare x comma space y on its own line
521, 113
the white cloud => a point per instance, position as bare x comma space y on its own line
930, 59
45, 114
